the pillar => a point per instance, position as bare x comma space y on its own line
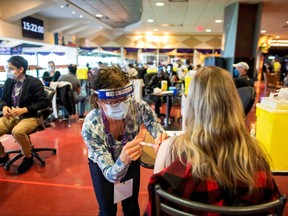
242, 24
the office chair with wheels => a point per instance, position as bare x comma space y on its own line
43, 114
247, 95
148, 90
170, 204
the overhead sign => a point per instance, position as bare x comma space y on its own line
33, 28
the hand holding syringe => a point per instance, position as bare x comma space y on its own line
148, 144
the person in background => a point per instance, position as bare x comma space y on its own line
215, 161
242, 79
78, 97
23, 96
112, 132
155, 82
51, 75
172, 75
132, 72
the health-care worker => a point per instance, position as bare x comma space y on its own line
112, 132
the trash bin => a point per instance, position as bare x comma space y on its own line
272, 133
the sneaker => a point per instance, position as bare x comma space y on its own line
3, 160
81, 117
65, 118
25, 165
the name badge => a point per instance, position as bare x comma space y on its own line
123, 190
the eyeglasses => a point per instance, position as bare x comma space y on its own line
10, 69
116, 102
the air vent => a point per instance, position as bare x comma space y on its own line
176, 25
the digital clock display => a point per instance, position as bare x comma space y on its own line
33, 28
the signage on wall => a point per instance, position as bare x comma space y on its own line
33, 28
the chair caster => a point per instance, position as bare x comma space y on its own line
7, 167
42, 164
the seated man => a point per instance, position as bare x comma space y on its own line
71, 77
23, 96
155, 82
243, 79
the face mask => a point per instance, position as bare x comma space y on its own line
235, 73
118, 112
11, 75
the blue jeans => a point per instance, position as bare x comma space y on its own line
104, 191
81, 99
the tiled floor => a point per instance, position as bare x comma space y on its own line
63, 186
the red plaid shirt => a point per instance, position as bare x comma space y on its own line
177, 179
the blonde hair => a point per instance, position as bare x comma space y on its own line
216, 142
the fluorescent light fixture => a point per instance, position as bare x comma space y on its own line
99, 15
279, 41
159, 4
263, 31
164, 24
271, 57
208, 30
218, 21
150, 20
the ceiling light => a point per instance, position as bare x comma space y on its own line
159, 4
150, 20
263, 31
81, 16
73, 12
62, 6
287, 22
164, 24
277, 37
99, 15
208, 30
218, 21
155, 29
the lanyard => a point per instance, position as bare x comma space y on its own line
110, 136
16, 93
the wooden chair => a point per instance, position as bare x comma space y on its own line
271, 83
170, 204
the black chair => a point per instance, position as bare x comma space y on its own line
148, 90
43, 114
65, 99
170, 204
247, 95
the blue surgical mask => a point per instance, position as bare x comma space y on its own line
236, 73
117, 112
11, 75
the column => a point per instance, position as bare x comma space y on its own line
242, 24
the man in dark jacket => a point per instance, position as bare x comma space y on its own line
243, 79
23, 96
